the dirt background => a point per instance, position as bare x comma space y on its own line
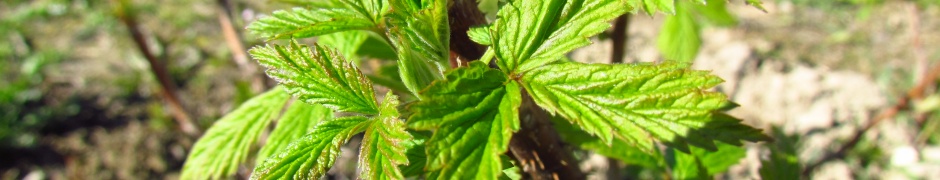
815, 70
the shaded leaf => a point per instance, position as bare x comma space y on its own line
312, 155
227, 143
617, 149
318, 76
638, 103
530, 34
346, 43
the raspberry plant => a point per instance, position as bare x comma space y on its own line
507, 114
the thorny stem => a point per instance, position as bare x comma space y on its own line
168, 88
536, 147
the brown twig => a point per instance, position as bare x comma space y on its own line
168, 88
619, 38
903, 104
234, 42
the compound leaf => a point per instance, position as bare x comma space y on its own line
227, 143
638, 103
298, 120
383, 146
312, 155
421, 35
318, 76
530, 34
653, 6
474, 115
679, 38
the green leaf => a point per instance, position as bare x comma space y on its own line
298, 120
421, 35
311, 156
530, 34
318, 76
783, 162
619, 150
301, 23
702, 164
687, 166
480, 35
652, 6
227, 143
383, 146
415, 150
346, 43
757, 4
715, 12
638, 102
474, 113
679, 38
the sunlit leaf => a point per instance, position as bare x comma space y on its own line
531, 34
298, 120
227, 143
474, 113
383, 146
638, 103
312, 155
317, 75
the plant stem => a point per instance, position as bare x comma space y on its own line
619, 37
168, 88
234, 42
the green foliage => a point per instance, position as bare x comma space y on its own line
529, 34
474, 116
679, 39
461, 123
311, 156
227, 143
636, 103
783, 162
298, 120
318, 76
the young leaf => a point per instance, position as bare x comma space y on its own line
474, 115
227, 143
310, 157
639, 102
421, 36
301, 23
530, 34
298, 120
679, 39
318, 76
383, 146
480, 35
